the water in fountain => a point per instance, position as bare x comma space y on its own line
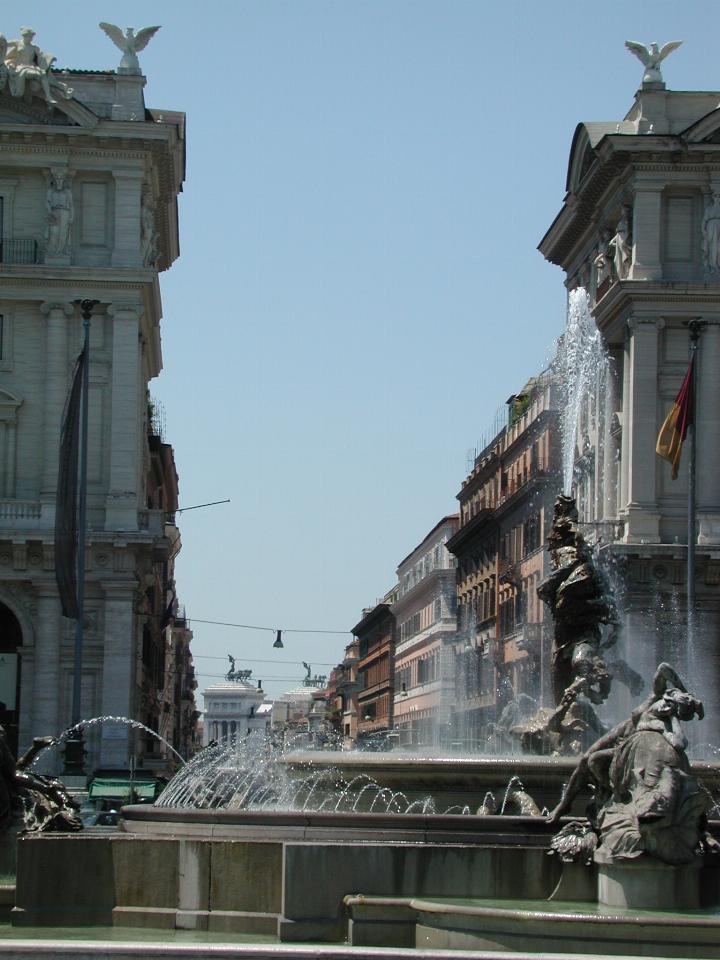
250, 774
100, 721
580, 363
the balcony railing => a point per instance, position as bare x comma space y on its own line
19, 510
18, 251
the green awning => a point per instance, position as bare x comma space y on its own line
102, 788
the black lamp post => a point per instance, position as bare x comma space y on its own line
74, 747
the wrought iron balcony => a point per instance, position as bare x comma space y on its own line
18, 251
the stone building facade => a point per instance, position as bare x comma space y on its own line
425, 614
88, 209
639, 230
231, 707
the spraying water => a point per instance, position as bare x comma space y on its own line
580, 363
99, 721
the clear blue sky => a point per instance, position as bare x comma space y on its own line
358, 288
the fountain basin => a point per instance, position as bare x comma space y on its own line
282, 873
271, 872
540, 928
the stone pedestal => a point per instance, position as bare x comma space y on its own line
649, 884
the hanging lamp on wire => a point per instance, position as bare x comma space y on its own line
278, 645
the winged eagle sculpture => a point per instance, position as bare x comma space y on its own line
130, 43
651, 57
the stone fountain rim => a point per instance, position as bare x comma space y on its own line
321, 818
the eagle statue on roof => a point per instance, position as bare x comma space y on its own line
130, 43
651, 57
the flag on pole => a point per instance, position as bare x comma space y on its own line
674, 429
66, 499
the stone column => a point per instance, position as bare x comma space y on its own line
118, 671
610, 441
47, 680
128, 196
56, 387
708, 436
643, 518
647, 210
121, 508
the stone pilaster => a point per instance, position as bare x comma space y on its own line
128, 198
625, 440
46, 686
121, 508
56, 387
118, 671
610, 440
647, 211
708, 436
642, 516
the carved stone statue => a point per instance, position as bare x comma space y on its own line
27, 68
60, 214
711, 233
130, 43
30, 801
646, 801
621, 246
603, 261
3, 65
651, 57
148, 237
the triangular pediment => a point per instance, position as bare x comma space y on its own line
582, 157
35, 110
705, 130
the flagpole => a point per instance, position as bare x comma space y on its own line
74, 751
695, 328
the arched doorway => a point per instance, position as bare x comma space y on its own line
10, 642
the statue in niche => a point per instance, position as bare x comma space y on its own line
711, 233
60, 214
27, 68
621, 246
603, 261
148, 233
646, 801
130, 43
651, 57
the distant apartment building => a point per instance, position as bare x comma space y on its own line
503, 643
179, 715
376, 634
425, 612
342, 696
